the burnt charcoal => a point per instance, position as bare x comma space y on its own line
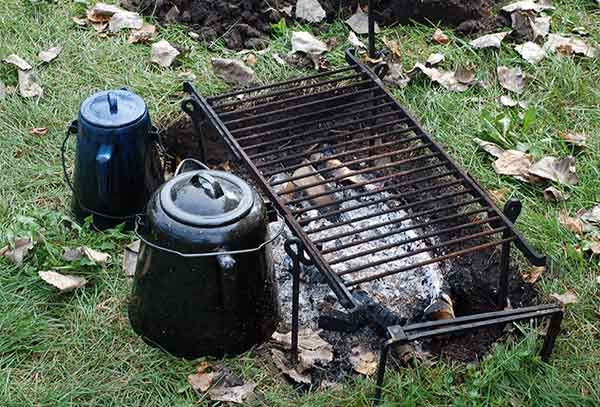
378, 316
338, 321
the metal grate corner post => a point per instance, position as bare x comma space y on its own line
371, 30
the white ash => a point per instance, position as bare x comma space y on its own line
406, 294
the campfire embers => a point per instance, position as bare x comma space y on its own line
374, 202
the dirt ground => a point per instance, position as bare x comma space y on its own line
247, 23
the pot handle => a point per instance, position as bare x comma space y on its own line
184, 166
210, 185
139, 222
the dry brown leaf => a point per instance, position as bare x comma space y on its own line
569, 45
590, 218
80, 21
163, 53
310, 10
130, 256
465, 75
235, 394
507, 101
339, 170
532, 275
307, 44
363, 360
514, 163
287, 369
489, 147
569, 297
373, 61
202, 381
394, 47
102, 12
576, 139
440, 38
83, 251
551, 194
29, 86
531, 52
310, 176
49, 55
203, 366
99, 27
551, 168
396, 76
489, 40
445, 78
355, 41
251, 59
233, 71
498, 194
527, 5
359, 22
312, 349
125, 19
65, 283
575, 225
434, 59
20, 63
142, 36
511, 79
17, 252
39, 131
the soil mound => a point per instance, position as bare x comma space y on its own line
247, 23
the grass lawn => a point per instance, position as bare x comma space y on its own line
78, 349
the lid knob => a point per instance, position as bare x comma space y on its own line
112, 103
208, 184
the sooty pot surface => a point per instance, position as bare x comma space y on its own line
209, 303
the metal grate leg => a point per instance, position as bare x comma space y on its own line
296, 256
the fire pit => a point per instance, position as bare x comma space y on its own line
369, 197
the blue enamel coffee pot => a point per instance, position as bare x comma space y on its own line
114, 141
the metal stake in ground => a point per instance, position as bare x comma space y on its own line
512, 210
296, 256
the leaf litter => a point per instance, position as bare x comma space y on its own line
49, 55
359, 22
64, 283
568, 297
363, 360
310, 10
222, 385
511, 79
233, 71
531, 52
305, 43
130, 255
17, 251
82, 252
163, 53
20, 63
489, 40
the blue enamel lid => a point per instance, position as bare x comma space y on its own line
113, 108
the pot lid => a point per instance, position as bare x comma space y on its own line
113, 108
206, 198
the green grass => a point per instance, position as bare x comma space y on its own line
78, 349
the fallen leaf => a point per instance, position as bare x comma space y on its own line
17, 252
306, 43
514, 163
490, 148
125, 19
50, 54
163, 53
508, 101
489, 40
250, 59
532, 275
99, 27
569, 45
235, 394
511, 79
540, 26
173, 14
593, 247
440, 38
80, 21
310, 10
444, 78
143, 35
577, 139
287, 369
39, 131
83, 251
65, 283
527, 5
569, 297
233, 71
574, 225
355, 41
310, 176
551, 194
130, 256
363, 360
394, 47
102, 12
498, 194
590, 218
465, 75
312, 349
202, 381
28, 84
359, 22
203, 367
434, 59
442, 308
562, 171
20, 63
396, 76
531, 52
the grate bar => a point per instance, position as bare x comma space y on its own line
317, 140
353, 162
411, 240
288, 82
375, 192
399, 132
288, 109
319, 121
362, 184
391, 222
431, 261
408, 254
283, 92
